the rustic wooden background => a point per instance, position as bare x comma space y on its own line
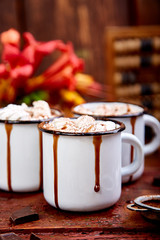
81, 21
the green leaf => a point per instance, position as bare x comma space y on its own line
35, 96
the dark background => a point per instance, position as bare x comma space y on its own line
81, 21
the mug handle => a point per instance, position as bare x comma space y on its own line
155, 126
139, 156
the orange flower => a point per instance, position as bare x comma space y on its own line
87, 85
7, 92
10, 37
71, 97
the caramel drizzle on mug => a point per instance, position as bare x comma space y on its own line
133, 121
97, 143
8, 128
41, 161
55, 146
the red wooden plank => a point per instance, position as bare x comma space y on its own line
110, 222
95, 236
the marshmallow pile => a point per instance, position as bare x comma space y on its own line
39, 110
110, 109
83, 124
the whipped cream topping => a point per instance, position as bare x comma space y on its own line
40, 110
109, 109
83, 124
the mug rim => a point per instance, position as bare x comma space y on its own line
110, 116
33, 121
116, 130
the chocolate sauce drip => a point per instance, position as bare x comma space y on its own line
8, 128
97, 143
40, 161
55, 147
133, 121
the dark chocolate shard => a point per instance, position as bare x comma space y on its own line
34, 237
24, 215
10, 236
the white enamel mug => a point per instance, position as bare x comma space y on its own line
82, 171
135, 123
21, 156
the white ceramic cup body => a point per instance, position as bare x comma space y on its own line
20, 156
135, 124
72, 169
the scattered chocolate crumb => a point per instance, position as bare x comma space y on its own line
156, 181
10, 236
24, 215
34, 237
129, 201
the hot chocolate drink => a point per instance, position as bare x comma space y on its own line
39, 111
82, 162
108, 109
83, 124
21, 145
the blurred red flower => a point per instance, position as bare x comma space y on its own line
62, 81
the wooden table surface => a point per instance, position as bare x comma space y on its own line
116, 222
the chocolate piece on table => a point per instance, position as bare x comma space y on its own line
10, 236
24, 215
34, 237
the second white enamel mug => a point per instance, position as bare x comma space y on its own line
135, 123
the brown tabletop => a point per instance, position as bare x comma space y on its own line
116, 222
